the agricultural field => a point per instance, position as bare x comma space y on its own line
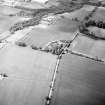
29, 73
52, 53
5, 20
80, 81
83, 11
100, 14
43, 34
89, 46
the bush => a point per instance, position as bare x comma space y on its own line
34, 47
21, 44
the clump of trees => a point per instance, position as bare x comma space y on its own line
75, 19
34, 47
22, 44
99, 24
57, 47
54, 50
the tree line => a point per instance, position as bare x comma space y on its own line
99, 23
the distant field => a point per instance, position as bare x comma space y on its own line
5, 20
32, 5
29, 76
40, 36
8, 10
65, 25
100, 14
89, 46
98, 31
81, 13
